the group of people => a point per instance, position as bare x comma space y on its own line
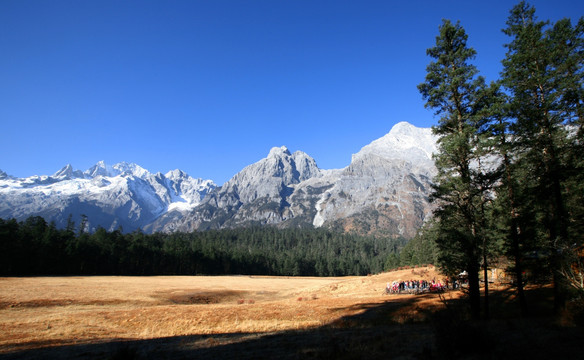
414, 286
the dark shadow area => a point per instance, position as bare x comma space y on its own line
398, 328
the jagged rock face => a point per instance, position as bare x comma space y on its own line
271, 177
384, 191
257, 194
376, 196
124, 195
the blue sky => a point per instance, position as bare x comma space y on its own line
210, 86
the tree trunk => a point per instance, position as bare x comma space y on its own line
486, 276
518, 268
558, 229
474, 292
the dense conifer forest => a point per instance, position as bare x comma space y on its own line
35, 247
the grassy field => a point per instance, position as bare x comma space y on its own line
248, 317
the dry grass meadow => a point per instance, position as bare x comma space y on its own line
218, 317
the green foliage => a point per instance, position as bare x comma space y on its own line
528, 206
33, 247
543, 74
461, 188
421, 250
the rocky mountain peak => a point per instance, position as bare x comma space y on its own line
269, 177
305, 166
129, 169
404, 128
281, 164
121, 195
121, 168
383, 191
404, 143
176, 174
279, 152
99, 169
67, 172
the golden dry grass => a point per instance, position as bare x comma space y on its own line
50, 311
251, 317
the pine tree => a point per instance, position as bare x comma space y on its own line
543, 75
455, 91
506, 217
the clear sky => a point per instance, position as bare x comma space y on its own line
209, 87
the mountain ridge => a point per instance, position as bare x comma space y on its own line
383, 191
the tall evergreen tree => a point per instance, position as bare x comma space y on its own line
543, 75
456, 93
507, 220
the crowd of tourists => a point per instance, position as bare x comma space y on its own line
415, 286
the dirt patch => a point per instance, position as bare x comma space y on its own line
41, 303
187, 297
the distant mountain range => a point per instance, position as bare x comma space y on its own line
383, 191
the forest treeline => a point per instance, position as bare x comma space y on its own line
35, 247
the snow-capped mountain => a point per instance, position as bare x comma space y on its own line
404, 142
124, 194
384, 190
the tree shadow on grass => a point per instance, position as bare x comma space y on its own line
397, 328
367, 334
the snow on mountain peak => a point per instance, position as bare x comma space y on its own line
99, 169
388, 175
404, 142
124, 193
404, 128
130, 168
67, 170
279, 151
121, 168
176, 174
